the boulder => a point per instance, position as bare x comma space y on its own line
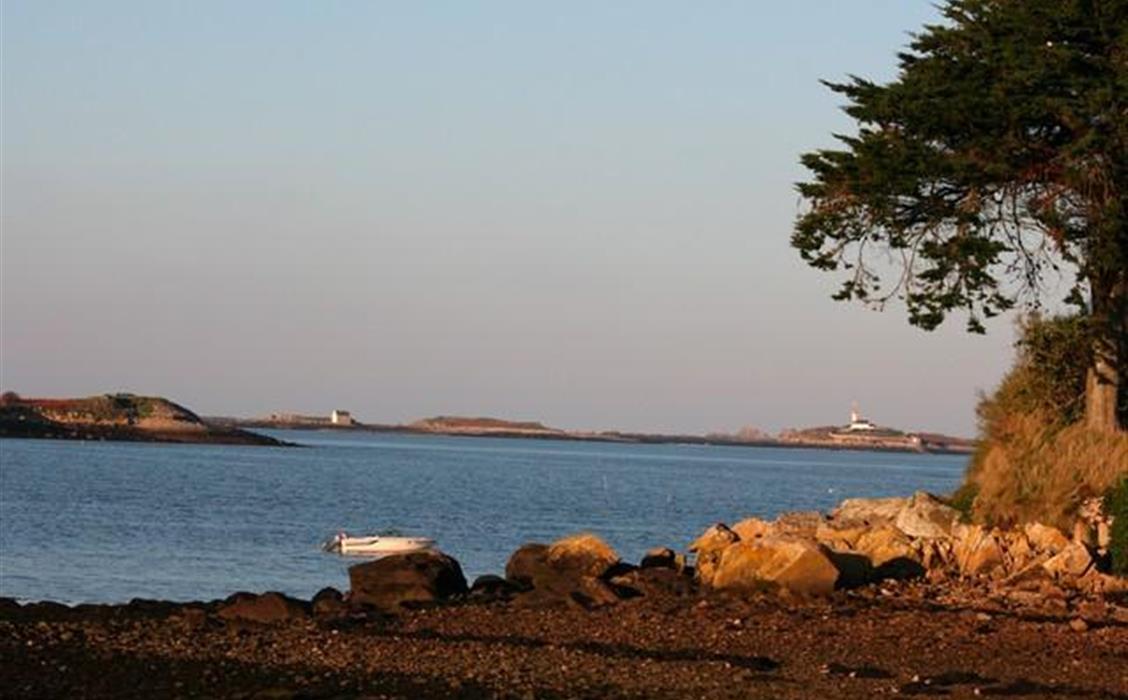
891, 553
1045, 538
328, 602
977, 551
1018, 552
268, 608
841, 534
527, 564
869, 510
854, 569
802, 524
569, 571
751, 528
1073, 560
192, 618
1030, 578
935, 555
590, 592
709, 547
883, 544
417, 577
925, 515
663, 558
491, 587
1108, 585
773, 563
585, 554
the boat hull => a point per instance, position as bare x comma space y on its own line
380, 546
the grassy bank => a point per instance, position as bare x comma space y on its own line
1036, 461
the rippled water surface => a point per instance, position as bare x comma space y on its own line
106, 522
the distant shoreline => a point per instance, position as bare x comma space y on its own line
127, 417
962, 448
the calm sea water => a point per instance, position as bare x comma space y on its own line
107, 522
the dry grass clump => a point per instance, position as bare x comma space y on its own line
1036, 461
1037, 472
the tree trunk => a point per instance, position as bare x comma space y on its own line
1104, 390
1102, 397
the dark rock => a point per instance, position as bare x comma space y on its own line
328, 602
585, 592
590, 593
145, 607
8, 606
618, 569
854, 569
48, 610
491, 587
662, 558
192, 618
268, 608
899, 569
655, 583
418, 577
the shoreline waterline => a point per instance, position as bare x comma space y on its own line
117, 521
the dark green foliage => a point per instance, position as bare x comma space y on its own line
1048, 376
963, 500
996, 159
1116, 505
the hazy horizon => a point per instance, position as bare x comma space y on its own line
575, 214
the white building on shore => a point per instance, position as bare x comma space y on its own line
857, 423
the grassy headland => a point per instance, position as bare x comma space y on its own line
124, 417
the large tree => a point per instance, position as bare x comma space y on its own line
994, 165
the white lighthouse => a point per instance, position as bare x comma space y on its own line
857, 423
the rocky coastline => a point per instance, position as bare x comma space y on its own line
879, 597
118, 418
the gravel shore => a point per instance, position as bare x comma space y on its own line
900, 640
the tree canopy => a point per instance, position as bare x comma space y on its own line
995, 162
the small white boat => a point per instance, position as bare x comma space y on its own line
377, 545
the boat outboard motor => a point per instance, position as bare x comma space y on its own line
335, 543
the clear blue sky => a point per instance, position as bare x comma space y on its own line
575, 212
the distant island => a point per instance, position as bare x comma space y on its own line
859, 434
121, 417
133, 418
